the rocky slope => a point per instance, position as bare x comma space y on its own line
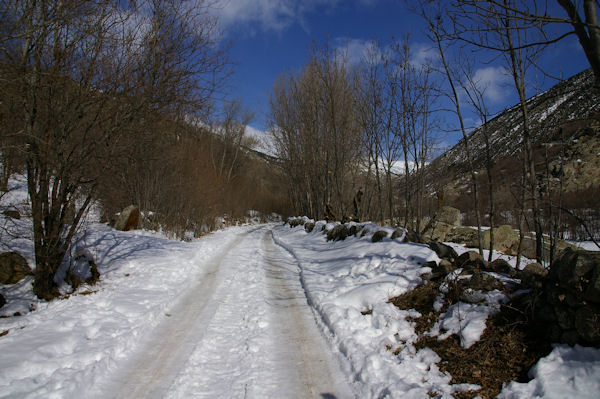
564, 123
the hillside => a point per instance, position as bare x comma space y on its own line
564, 122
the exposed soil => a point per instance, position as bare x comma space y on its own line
509, 347
421, 299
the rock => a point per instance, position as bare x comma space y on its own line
448, 215
463, 235
443, 251
502, 266
506, 240
574, 267
82, 269
564, 317
338, 233
12, 213
532, 275
587, 324
2, 300
412, 236
592, 293
436, 231
442, 269
130, 218
293, 222
398, 233
355, 229
570, 337
13, 268
470, 260
378, 236
309, 227
483, 282
535, 269
430, 264
528, 248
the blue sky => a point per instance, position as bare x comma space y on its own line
273, 36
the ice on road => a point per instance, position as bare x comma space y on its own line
245, 330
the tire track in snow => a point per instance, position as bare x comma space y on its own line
244, 331
168, 346
309, 360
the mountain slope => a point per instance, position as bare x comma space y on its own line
558, 118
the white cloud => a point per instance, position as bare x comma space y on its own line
265, 15
493, 81
357, 50
422, 54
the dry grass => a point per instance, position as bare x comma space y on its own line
508, 348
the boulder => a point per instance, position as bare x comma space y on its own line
442, 269
463, 235
506, 240
573, 268
2, 300
293, 222
535, 269
448, 215
470, 260
378, 236
528, 247
483, 282
398, 233
587, 324
532, 275
502, 266
436, 231
592, 293
129, 219
309, 227
338, 233
13, 268
443, 251
355, 229
412, 236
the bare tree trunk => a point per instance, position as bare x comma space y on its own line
465, 140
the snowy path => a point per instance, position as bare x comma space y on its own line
244, 330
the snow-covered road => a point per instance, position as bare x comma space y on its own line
243, 330
263, 311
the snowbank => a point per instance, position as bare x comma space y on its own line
348, 283
66, 346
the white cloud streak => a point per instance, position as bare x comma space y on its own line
356, 51
493, 82
265, 15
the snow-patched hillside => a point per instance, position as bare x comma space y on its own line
258, 311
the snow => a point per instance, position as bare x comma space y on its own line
587, 245
550, 110
65, 346
250, 311
565, 373
345, 279
511, 259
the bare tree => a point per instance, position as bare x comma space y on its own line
497, 26
435, 26
476, 94
230, 136
372, 113
581, 17
316, 132
413, 126
84, 76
